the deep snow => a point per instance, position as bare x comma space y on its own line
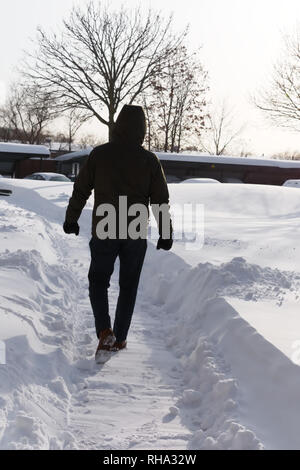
212, 352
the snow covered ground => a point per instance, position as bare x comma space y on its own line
213, 352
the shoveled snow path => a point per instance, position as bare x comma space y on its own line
149, 396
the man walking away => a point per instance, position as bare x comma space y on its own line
118, 168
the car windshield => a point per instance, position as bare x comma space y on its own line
59, 178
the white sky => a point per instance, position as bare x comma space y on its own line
241, 40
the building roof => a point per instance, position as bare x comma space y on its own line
224, 159
10, 153
23, 149
202, 158
73, 156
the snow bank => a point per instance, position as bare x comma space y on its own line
40, 296
241, 390
37, 380
259, 223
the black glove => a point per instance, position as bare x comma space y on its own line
164, 244
71, 228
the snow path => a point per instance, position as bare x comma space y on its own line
125, 403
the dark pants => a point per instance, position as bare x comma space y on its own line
103, 255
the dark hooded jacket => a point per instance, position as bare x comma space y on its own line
121, 167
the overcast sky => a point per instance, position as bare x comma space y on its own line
241, 40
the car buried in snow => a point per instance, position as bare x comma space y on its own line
200, 180
48, 177
292, 183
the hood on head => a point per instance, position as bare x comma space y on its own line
130, 126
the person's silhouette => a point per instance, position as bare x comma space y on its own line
120, 168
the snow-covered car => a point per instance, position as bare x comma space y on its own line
172, 179
292, 183
48, 177
200, 180
72, 177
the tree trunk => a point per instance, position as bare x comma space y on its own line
166, 140
70, 140
110, 129
111, 122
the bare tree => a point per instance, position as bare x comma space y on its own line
221, 131
26, 113
102, 58
245, 153
75, 119
89, 140
287, 155
175, 103
5, 132
281, 101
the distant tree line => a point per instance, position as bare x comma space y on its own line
288, 155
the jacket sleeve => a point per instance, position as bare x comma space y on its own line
159, 196
83, 186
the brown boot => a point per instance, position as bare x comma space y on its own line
106, 340
117, 346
